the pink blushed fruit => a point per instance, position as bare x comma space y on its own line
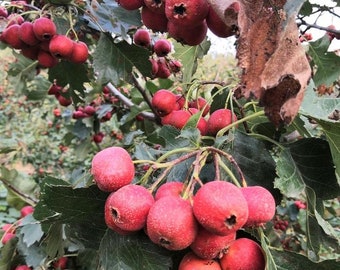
129, 206
261, 205
169, 189
191, 261
164, 101
245, 254
220, 119
171, 223
220, 207
112, 168
208, 245
26, 210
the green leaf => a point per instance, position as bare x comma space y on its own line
255, 161
37, 89
332, 132
131, 252
189, 55
74, 75
7, 252
318, 107
114, 61
34, 255
110, 17
307, 162
313, 160
31, 230
327, 62
286, 260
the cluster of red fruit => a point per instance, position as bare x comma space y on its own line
175, 111
206, 222
184, 20
162, 65
39, 40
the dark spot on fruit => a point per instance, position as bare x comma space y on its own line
114, 213
180, 9
46, 36
164, 242
231, 221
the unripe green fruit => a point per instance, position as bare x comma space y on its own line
112, 168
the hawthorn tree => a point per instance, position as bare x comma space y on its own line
126, 75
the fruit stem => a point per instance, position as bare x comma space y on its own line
169, 164
231, 160
236, 123
217, 167
263, 137
228, 171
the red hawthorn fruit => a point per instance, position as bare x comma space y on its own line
57, 112
26, 34
129, 206
169, 189
164, 102
163, 70
64, 101
90, 110
142, 38
171, 223
112, 168
220, 207
26, 210
191, 261
200, 104
22, 267
156, 6
130, 4
175, 66
243, 253
60, 263
191, 35
30, 52
47, 60
6, 237
80, 52
3, 12
11, 36
98, 137
61, 46
54, 89
44, 28
177, 119
8, 227
180, 102
154, 66
162, 47
220, 119
261, 205
79, 114
157, 22
44, 45
208, 245
186, 13
14, 18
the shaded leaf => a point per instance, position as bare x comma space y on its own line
114, 61
110, 17
7, 252
131, 252
255, 161
286, 260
